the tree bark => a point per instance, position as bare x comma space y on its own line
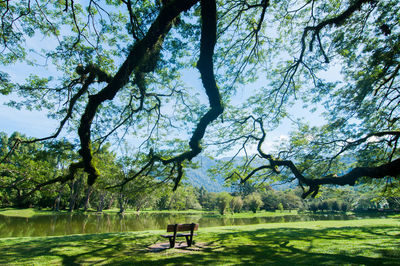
57, 201
87, 198
75, 189
100, 206
121, 202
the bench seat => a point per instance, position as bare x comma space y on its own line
178, 235
181, 227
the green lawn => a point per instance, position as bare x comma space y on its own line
29, 212
249, 214
369, 242
26, 213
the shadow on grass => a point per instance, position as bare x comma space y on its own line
287, 246
71, 250
283, 246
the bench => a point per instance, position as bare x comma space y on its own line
181, 228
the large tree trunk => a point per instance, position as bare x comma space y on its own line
87, 198
100, 206
57, 201
110, 203
122, 203
75, 189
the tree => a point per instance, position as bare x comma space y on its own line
344, 207
253, 201
236, 204
29, 165
313, 207
270, 200
184, 198
202, 196
223, 199
119, 64
290, 200
209, 201
354, 144
335, 206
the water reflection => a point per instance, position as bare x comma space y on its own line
78, 223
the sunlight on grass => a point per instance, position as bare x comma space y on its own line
372, 241
25, 213
259, 214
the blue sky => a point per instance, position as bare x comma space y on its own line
31, 123
36, 124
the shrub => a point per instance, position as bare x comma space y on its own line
236, 204
253, 201
313, 207
223, 200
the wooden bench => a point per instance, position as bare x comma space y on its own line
181, 228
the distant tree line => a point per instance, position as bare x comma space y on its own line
27, 166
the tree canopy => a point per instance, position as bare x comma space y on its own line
116, 70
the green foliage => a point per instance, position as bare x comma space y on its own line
271, 200
28, 165
280, 52
236, 204
43, 162
223, 202
253, 202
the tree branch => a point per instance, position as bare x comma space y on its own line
206, 68
141, 55
390, 169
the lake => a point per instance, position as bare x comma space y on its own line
79, 223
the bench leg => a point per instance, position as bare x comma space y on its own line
189, 240
171, 242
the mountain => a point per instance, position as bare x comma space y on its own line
215, 183
201, 177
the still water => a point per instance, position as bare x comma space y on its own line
78, 223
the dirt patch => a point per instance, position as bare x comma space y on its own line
179, 247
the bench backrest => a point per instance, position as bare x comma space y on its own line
182, 227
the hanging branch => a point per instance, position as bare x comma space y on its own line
288, 76
390, 169
206, 68
142, 57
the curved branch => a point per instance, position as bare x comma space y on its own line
139, 173
141, 54
390, 169
336, 21
73, 168
255, 171
206, 68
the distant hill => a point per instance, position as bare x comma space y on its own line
201, 177
215, 183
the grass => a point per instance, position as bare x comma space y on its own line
115, 210
29, 212
260, 214
25, 213
394, 216
370, 241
